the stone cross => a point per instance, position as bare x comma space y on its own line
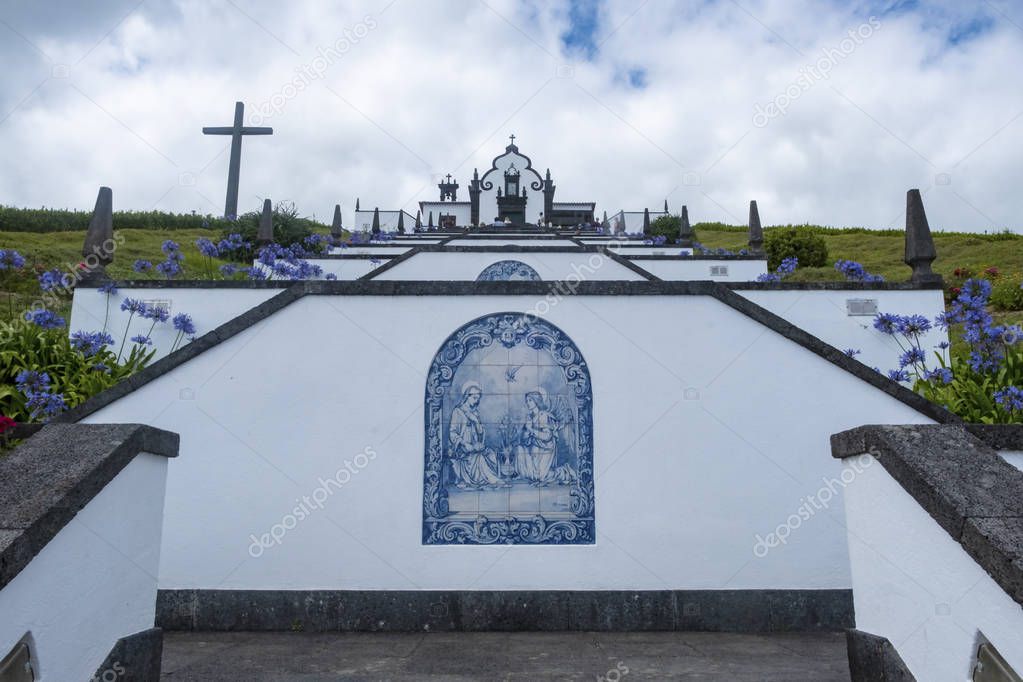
235, 131
920, 251
335, 226
99, 239
266, 224
513, 139
756, 232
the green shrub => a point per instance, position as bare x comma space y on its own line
971, 395
667, 226
1006, 293
24, 346
289, 228
798, 242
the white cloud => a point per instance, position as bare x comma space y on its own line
436, 87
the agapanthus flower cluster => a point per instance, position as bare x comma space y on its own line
90, 343
855, 272
108, 288
702, 250
987, 340
183, 323
1010, 398
172, 266
284, 263
41, 401
232, 242
142, 266
656, 240
785, 268
45, 319
51, 279
11, 260
207, 247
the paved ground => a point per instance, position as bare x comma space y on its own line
612, 656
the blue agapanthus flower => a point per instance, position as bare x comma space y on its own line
183, 323
45, 319
207, 247
45, 404
942, 374
330, 276
108, 288
887, 323
170, 246
913, 356
142, 340
11, 260
898, 375
90, 343
913, 324
1010, 398
852, 352
155, 313
132, 305
168, 268
228, 269
142, 266
51, 279
32, 381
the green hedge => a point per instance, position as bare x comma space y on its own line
63, 220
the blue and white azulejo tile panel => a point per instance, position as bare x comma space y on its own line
509, 436
508, 271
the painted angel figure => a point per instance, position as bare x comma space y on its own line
537, 449
475, 465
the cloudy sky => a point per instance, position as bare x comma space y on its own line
825, 112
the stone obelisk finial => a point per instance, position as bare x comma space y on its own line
646, 220
419, 220
401, 221
335, 226
756, 232
376, 221
685, 230
266, 224
98, 249
920, 251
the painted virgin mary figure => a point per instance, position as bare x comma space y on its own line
473, 463
535, 453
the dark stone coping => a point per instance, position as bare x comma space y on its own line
369, 287
695, 256
874, 659
975, 495
135, 658
48, 479
354, 256
832, 286
526, 610
382, 245
999, 436
629, 264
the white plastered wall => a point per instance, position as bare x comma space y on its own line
467, 265
823, 313
95, 581
209, 308
698, 269
916, 586
705, 436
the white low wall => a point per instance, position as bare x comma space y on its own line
706, 439
95, 581
467, 266
372, 250
511, 241
915, 585
698, 269
94, 311
824, 314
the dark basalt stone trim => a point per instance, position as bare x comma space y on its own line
833, 286
874, 659
513, 610
355, 256
135, 658
532, 236
366, 286
378, 245
48, 479
198, 284
664, 256
999, 436
966, 487
630, 265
